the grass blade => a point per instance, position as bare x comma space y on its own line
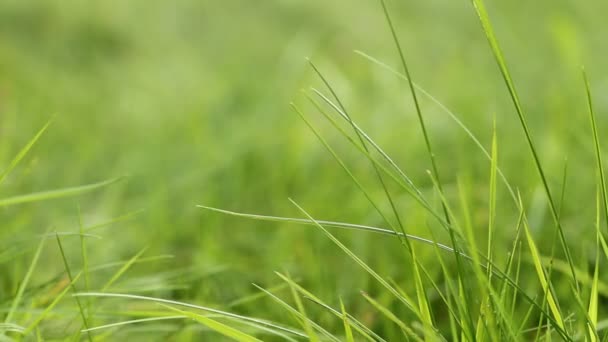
192, 306
73, 287
216, 326
54, 194
347, 329
24, 151
24, 283
500, 60
123, 269
52, 305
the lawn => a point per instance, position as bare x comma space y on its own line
239, 170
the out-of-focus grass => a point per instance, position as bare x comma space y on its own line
190, 99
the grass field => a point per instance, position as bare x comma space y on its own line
140, 139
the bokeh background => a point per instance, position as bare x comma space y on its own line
190, 99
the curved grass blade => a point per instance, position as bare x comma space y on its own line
54, 194
134, 321
192, 306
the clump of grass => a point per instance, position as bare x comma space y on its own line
483, 295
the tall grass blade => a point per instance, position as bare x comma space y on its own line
500, 60
410, 82
596, 144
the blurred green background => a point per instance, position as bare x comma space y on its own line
190, 99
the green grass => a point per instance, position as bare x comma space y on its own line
303, 171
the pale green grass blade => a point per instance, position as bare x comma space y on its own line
457, 321
54, 194
85, 262
486, 318
118, 219
51, 306
192, 306
366, 332
83, 251
24, 283
492, 200
24, 151
540, 272
393, 318
348, 332
218, 327
138, 261
122, 270
583, 277
593, 296
83, 314
303, 320
10, 327
423, 304
312, 336
135, 321
256, 296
